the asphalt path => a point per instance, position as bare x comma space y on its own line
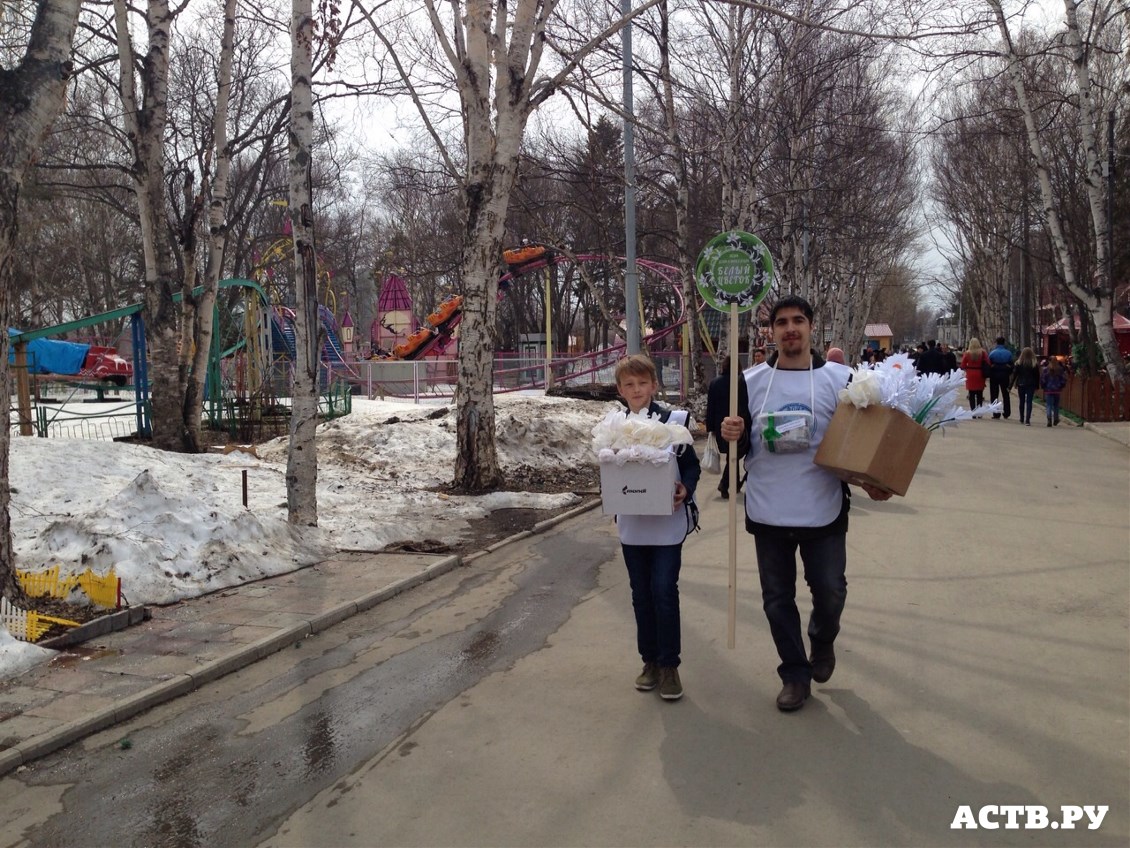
984, 663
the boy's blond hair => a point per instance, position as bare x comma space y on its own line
636, 365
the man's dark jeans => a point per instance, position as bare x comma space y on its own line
825, 564
999, 386
653, 571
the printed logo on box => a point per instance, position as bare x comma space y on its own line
1027, 816
627, 491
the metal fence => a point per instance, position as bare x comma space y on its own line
436, 378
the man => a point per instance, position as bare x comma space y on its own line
792, 503
717, 408
1000, 375
758, 356
931, 360
950, 358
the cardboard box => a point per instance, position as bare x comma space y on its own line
638, 488
876, 445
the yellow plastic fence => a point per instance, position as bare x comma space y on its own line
39, 583
101, 589
28, 625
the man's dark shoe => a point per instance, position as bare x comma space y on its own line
793, 695
823, 661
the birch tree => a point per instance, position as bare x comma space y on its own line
31, 97
1096, 294
302, 457
144, 121
493, 52
204, 306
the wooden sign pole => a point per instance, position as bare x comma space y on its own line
732, 464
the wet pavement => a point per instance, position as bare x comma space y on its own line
984, 661
183, 646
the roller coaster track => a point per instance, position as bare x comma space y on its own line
586, 367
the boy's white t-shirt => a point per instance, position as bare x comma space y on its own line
656, 529
788, 489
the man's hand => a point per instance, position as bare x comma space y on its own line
680, 495
732, 428
875, 493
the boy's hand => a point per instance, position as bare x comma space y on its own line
680, 495
732, 428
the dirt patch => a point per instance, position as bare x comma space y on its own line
502, 523
56, 608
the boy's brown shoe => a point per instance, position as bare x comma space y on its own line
670, 687
649, 677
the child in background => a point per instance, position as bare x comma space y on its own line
653, 544
1052, 381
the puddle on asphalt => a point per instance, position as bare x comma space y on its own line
70, 657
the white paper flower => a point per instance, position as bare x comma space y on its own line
863, 390
637, 438
930, 399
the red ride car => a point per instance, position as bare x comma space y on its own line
103, 363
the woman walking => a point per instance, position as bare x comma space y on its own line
975, 364
1026, 379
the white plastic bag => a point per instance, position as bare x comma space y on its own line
711, 458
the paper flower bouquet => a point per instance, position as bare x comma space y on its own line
929, 399
638, 470
884, 420
634, 437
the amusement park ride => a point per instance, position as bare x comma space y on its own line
254, 339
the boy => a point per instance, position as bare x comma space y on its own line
653, 544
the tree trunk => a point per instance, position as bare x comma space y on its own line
494, 136
145, 127
302, 457
1101, 303
217, 232
1098, 300
31, 98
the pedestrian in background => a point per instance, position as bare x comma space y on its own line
949, 357
1000, 375
931, 360
1026, 379
975, 364
717, 408
1052, 381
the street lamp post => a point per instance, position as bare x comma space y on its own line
631, 279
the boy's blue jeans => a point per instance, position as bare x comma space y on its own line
825, 566
653, 572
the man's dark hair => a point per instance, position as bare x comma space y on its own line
791, 301
1000, 340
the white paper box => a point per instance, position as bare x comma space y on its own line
638, 488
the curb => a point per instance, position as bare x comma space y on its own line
182, 684
1105, 433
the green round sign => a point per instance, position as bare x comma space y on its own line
734, 268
